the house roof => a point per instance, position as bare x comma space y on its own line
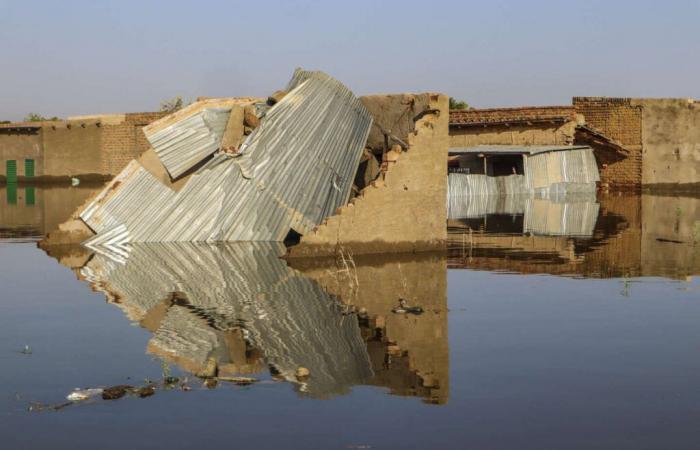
591, 136
514, 149
507, 116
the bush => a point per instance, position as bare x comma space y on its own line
458, 104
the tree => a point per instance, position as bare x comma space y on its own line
172, 105
458, 104
35, 117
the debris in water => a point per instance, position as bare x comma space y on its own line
403, 308
146, 391
115, 392
241, 381
80, 395
302, 373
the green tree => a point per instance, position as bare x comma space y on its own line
458, 104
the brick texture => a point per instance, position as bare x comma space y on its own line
524, 115
621, 120
123, 142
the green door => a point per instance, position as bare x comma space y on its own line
11, 171
28, 167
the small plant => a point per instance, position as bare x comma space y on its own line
172, 105
35, 117
458, 104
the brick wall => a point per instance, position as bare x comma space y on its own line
620, 119
125, 141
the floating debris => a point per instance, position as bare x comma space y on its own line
403, 308
241, 381
116, 392
302, 373
80, 395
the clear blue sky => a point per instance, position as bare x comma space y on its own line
80, 57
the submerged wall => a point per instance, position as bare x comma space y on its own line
406, 209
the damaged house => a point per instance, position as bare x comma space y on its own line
247, 169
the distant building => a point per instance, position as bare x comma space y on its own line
86, 147
524, 127
652, 144
662, 137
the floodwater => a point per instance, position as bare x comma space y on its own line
552, 325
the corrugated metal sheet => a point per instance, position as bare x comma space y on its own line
185, 143
294, 170
575, 167
289, 318
514, 149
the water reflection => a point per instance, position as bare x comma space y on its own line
632, 236
32, 211
241, 308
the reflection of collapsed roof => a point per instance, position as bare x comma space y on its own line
291, 172
193, 301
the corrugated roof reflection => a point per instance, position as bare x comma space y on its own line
216, 289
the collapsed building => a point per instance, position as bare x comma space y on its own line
311, 161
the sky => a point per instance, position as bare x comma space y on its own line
87, 57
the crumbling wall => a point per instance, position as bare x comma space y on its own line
620, 119
671, 143
406, 209
535, 134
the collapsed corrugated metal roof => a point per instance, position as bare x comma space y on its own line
294, 170
185, 143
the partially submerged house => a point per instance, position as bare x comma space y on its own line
541, 170
557, 127
544, 189
262, 170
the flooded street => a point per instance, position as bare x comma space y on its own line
546, 324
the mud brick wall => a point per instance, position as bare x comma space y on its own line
620, 119
544, 125
404, 211
535, 134
125, 141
